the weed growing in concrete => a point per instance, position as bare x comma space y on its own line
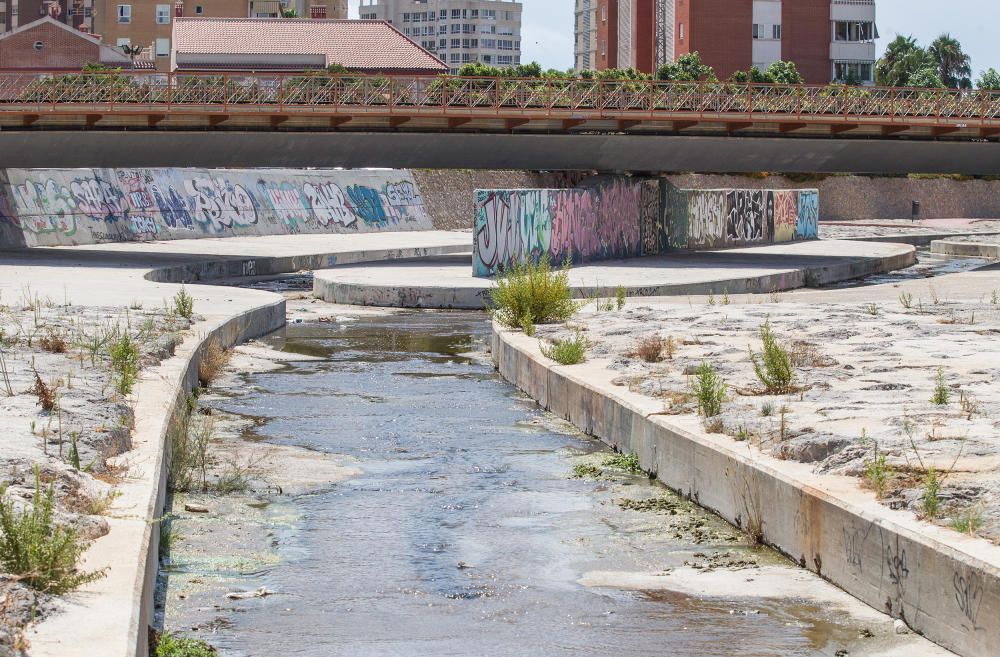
5, 375
773, 366
783, 424
175, 646
968, 521
725, 298
53, 341
41, 553
651, 348
995, 298
878, 472
184, 303
711, 299
935, 299
620, 295
213, 361
586, 471
970, 405
906, 300
124, 354
528, 326
872, 309
929, 501
45, 392
942, 395
767, 409
627, 462
709, 389
568, 351
670, 347
533, 291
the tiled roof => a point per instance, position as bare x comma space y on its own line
370, 45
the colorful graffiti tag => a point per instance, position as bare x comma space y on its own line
79, 206
627, 217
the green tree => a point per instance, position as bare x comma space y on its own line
902, 58
926, 78
989, 80
782, 72
687, 68
953, 65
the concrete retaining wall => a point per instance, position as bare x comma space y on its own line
849, 198
967, 249
624, 217
50, 207
946, 587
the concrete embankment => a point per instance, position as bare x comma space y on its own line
969, 247
945, 586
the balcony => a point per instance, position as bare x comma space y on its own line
852, 10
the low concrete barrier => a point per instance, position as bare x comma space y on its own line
52, 207
990, 250
945, 586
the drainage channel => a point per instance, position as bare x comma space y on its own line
469, 523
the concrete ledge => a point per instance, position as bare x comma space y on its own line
449, 283
967, 249
946, 586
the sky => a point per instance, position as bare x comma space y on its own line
547, 29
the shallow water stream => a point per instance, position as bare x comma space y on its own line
465, 533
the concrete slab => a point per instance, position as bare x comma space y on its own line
447, 282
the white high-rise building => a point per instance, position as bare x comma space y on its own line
458, 31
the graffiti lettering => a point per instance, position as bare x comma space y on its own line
706, 219
219, 202
969, 597
367, 204
328, 205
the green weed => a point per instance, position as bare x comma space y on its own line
773, 366
568, 351
184, 303
532, 292
124, 354
968, 521
175, 646
929, 501
709, 389
942, 395
627, 462
878, 472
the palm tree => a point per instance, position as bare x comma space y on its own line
953, 65
902, 58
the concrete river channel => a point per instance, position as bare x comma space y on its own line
463, 530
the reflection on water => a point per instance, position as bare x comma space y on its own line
465, 534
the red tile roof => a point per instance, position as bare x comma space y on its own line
361, 45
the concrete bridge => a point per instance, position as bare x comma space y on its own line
114, 119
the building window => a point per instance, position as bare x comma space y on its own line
604, 13
762, 32
124, 13
39, 45
855, 31
776, 32
199, 10
162, 14
162, 47
680, 31
317, 11
860, 71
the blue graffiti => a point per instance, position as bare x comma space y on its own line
367, 204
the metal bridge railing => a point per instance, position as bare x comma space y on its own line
114, 92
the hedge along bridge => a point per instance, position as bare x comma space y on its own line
398, 121
619, 217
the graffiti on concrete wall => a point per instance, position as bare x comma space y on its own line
598, 222
707, 212
511, 227
652, 219
746, 219
807, 225
785, 215
78, 206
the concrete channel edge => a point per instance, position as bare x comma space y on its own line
946, 588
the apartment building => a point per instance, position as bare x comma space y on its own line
458, 31
148, 23
75, 13
827, 39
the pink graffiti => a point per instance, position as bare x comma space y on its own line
597, 223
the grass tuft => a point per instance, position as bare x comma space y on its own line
175, 646
568, 351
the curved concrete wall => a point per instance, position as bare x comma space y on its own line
50, 207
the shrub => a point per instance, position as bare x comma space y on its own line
175, 646
53, 342
532, 292
35, 549
941, 395
184, 303
124, 354
627, 462
773, 366
568, 351
620, 295
906, 300
651, 348
968, 521
709, 389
